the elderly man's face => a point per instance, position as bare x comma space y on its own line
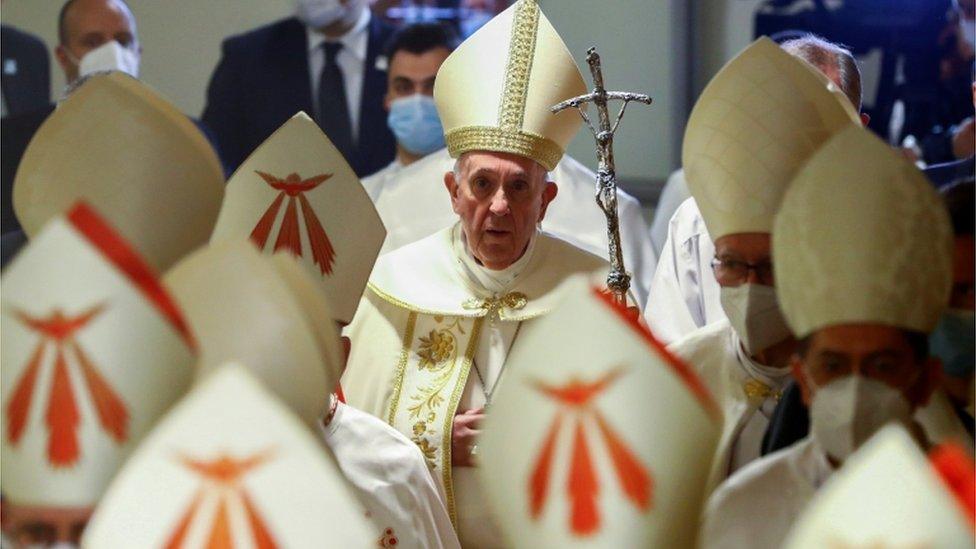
500, 197
32, 525
743, 258
90, 23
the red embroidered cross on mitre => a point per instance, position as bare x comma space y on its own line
576, 400
294, 187
222, 478
62, 415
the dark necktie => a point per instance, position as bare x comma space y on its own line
333, 108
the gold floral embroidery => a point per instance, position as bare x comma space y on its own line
428, 450
435, 348
493, 305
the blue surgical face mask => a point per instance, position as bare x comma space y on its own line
415, 124
954, 342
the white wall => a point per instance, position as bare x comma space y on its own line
180, 38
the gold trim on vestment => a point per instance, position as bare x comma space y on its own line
521, 50
447, 473
404, 305
516, 141
402, 366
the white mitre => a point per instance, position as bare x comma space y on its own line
753, 126
595, 404
493, 101
886, 495
296, 193
862, 237
230, 466
119, 146
93, 351
265, 312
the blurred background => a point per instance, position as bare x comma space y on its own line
916, 56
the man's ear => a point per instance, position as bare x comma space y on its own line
387, 99
865, 118
796, 365
548, 195
920, 393
61, 54
453, 188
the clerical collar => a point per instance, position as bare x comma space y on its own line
491, 281
767, 374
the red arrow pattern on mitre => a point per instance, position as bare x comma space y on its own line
576, 399
62, 415
222, 479
294, 187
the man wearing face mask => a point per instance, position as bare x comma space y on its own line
684, 297
93, 35
414, 54
862, 249
326, 61
744, 360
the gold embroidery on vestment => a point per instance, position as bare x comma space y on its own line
489, 138
521, 50
402, 366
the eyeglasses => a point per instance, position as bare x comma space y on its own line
733, 271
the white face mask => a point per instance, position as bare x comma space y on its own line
848, 411
322, 13
753, 311
110, 56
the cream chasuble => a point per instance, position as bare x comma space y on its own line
746, 391
430, 313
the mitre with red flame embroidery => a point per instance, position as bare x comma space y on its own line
296, 193
230, 466
888, 495
597, 436
93, 351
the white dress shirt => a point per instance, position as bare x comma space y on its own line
375, 183
674, 193
351, 60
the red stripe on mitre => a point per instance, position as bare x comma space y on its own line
121, 254
683, 371
956, 469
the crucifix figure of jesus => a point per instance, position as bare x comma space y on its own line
618, 281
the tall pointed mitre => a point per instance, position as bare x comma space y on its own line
862, 237
265, 313
125, 150
230, 466
598, 436
756, 123
494, 91
93, 351
886, 495
296, 193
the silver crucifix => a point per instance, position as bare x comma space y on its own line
618, 281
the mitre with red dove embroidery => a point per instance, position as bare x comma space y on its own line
93, 351
230, 466
296, 193
598, 437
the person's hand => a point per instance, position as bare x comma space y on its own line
964, 139
464, 437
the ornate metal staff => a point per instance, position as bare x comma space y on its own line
618, 281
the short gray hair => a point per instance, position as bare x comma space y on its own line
827, 55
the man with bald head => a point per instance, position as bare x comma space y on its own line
97, 35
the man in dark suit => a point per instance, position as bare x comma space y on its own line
323, 62
25, 74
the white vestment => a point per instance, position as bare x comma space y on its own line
745, 391
674, 193
376, 183
431, 326
391, 479
414, 203
684, 293
757, 506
